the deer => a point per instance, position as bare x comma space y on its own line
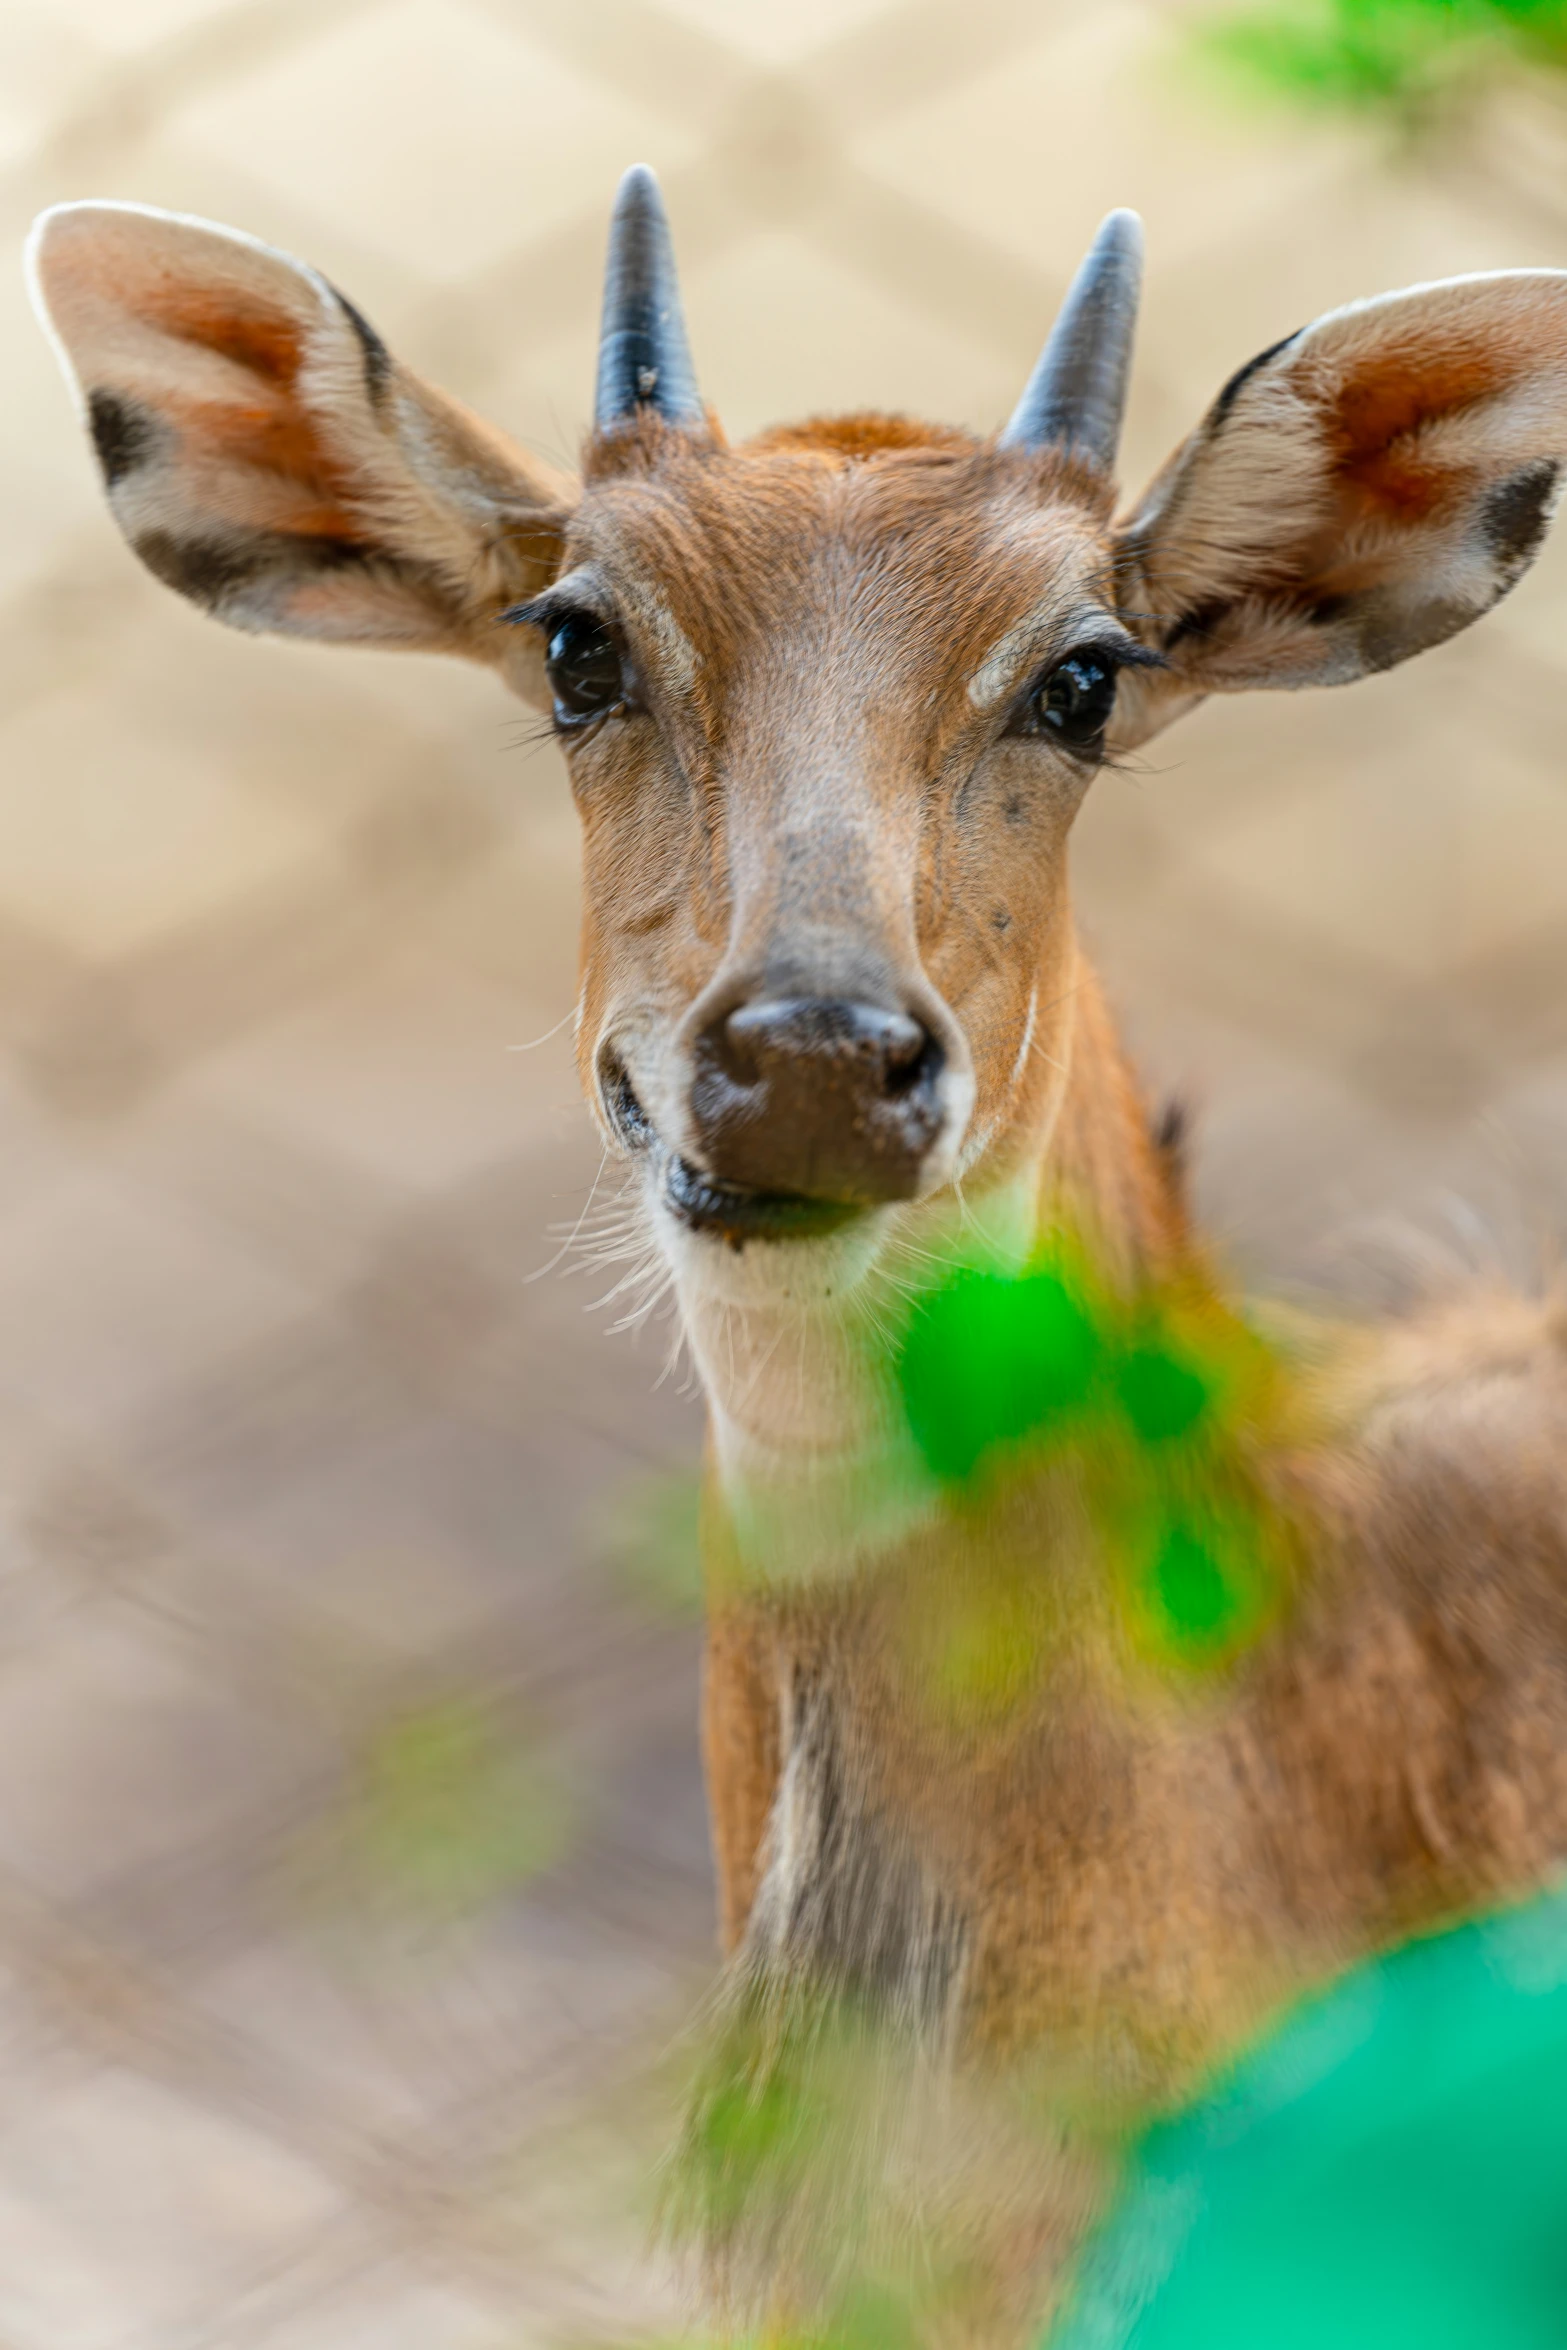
830, 701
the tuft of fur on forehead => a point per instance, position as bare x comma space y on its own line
864, 436
867, 433
643, 442
646, 446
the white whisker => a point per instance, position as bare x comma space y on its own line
548, 1033
566, 1244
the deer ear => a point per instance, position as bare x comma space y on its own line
1356, 494
267, 457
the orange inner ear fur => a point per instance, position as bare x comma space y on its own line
261, 340
274, 434
1378, 416
288, 445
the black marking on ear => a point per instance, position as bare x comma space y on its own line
210, 572
1390, 630
1516, 514
123, 434
1243, 375
195, 567
378, 359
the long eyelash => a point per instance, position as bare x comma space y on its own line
583, 730
536, 614
549, 610
1122, 652
1129, 654
531, 734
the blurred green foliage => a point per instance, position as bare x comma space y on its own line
1384, 2169
649, 1537
1388, 2171
990, 1361
1411, 59
847, 2189
449, 1811
770, 2098
1161, 1406
1104, 1460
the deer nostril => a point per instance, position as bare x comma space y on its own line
874, 1050
621, 1106
912, 1059
733, 1045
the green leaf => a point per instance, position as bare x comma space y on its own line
988, 1361
1163, 1395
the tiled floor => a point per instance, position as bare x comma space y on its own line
310, 1491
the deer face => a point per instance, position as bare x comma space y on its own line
830, 705
830, 700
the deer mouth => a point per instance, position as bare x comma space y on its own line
736, 1213
723, 1210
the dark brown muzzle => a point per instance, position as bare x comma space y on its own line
826, 1099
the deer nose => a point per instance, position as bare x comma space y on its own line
825, 1098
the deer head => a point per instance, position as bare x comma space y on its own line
831, 699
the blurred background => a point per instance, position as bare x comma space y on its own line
353, 1869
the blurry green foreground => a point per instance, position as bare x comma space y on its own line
1387, 2171
1416, 62
1390, 2173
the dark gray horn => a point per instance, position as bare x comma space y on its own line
644, 359
1076, 396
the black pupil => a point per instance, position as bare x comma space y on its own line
1076, 699
584, 667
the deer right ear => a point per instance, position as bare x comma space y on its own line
267, 457
1356, 494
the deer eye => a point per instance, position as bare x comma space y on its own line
1075, 701
586, 674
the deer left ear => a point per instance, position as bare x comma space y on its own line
1356, 494
265, 454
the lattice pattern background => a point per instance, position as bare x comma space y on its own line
305, 1481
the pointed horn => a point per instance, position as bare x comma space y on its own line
644, 360
1076, 396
